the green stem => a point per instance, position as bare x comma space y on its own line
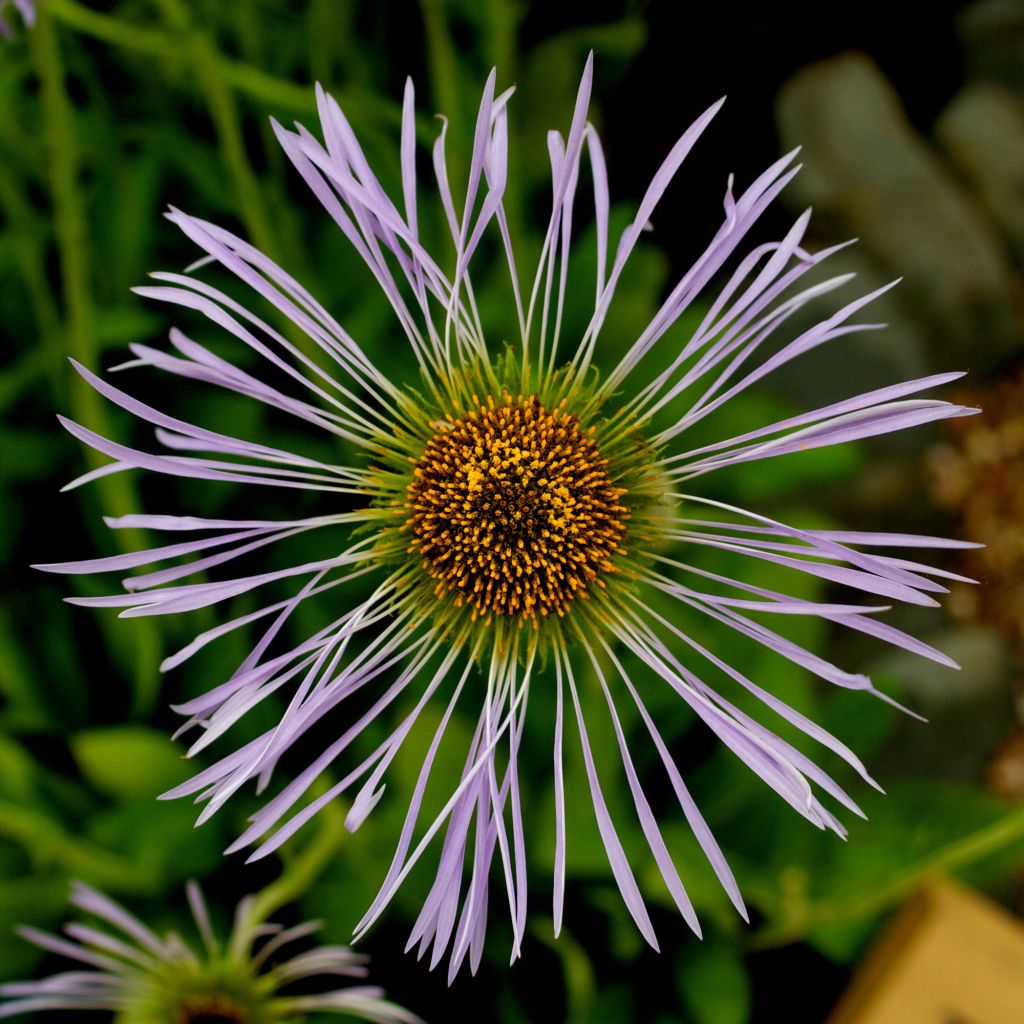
115, 491
447, 94
299, 873
70, 223
30, 255
334, 41
155, 43
444, 64
267, 89
580, 982
502, 26
110, 29
223, 109
259, 85
47, 842
227, 122
958, 854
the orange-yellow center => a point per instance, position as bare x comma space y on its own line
512, 510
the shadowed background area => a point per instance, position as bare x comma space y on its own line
912, 128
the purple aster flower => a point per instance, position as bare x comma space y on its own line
140, 976
519, 514
27, 10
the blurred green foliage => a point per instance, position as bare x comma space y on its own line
111, 111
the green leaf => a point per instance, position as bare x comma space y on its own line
614, 1003
28, 453
164, 845
38, 901
17, 771
50, 844
862, 721
128, 761
713, 984
26, 706
922, 828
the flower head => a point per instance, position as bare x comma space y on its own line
520, 514
27, 10
143, 978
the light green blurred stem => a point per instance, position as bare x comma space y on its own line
580, 983
447, 92
501, 43
267, 89
300, 872
500, 28
332, 32
223, 109
48, 843
792, 923
246, 22
128, 36
444, 64
23, 222
72, 235
502, 25
79, 336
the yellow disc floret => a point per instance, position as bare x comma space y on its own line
512, 509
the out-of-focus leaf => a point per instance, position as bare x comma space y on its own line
165, 846
17, 770
24, 707
702, 886
580, 983
843, 943
859, 720
127, 761
118, 326
50, 844
38, 901
615, 1003
27, 453
920, 828
713, 984
127, 199
911, 824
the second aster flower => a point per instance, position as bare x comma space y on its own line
521, 515
140, 977
27, 10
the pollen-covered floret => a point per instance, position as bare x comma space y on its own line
512, 509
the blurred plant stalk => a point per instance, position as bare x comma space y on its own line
792, 917
78, 337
